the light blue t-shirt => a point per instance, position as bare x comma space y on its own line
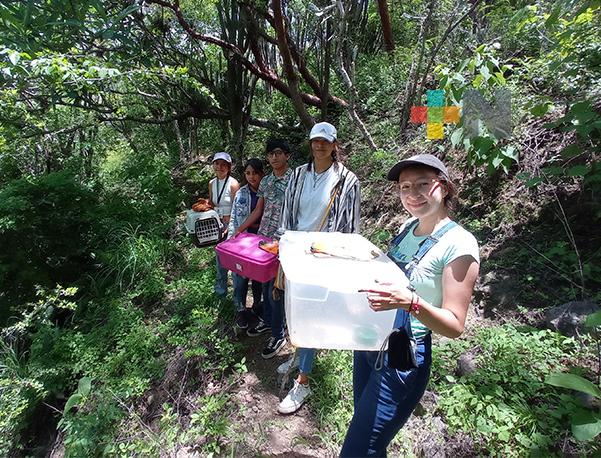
426, 278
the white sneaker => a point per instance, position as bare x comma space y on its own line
289, 365
295, 399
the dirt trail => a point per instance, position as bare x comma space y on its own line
260, 429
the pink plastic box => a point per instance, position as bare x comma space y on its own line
243, 256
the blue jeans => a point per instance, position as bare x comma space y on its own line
220, 279
306, 358
241, 288
273, 310
383, 400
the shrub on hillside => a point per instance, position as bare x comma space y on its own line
46, 234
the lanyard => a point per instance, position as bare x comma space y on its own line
222, 189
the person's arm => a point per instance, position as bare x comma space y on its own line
352, 210
253, 218
234, 220
210, 193
287, 206
458, 279
234, 187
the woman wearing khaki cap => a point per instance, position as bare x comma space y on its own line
441, 261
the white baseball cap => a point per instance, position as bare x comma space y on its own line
222, 155
323, 130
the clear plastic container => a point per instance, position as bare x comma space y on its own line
323, 306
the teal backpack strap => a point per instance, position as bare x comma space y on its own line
408, 227
402, 318
426, 244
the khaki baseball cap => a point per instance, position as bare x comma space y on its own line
420, 159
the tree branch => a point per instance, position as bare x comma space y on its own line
414, 71
267, 74
435, 51
66, 130
284, 47
344, 56
299, 60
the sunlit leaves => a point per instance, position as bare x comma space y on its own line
37, 25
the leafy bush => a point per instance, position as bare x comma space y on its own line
20, 392
46, 234
136, 262
485, 148
505, 403
90, 431
586, 422
22, 385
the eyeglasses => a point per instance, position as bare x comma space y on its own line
275, 152
421, 186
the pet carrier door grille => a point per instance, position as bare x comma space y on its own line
208, 231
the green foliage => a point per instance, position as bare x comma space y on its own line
91, 430
57, 223
579, 159
83, 390
140, 189
211, 420
62, 22
42, 313
505, 402
205, 432
586, 423
196, 311
385, 74
20, 392
124, 357
332, 399
136, 262
50, 220
484, 149
564, 54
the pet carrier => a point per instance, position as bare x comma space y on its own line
205, 228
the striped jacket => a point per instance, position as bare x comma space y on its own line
344, 213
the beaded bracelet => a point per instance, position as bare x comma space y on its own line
415, 305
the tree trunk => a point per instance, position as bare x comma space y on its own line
325, 95
193, 139
346, 61
289, 70
180, 143
416, 64
386, 26
441, 42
